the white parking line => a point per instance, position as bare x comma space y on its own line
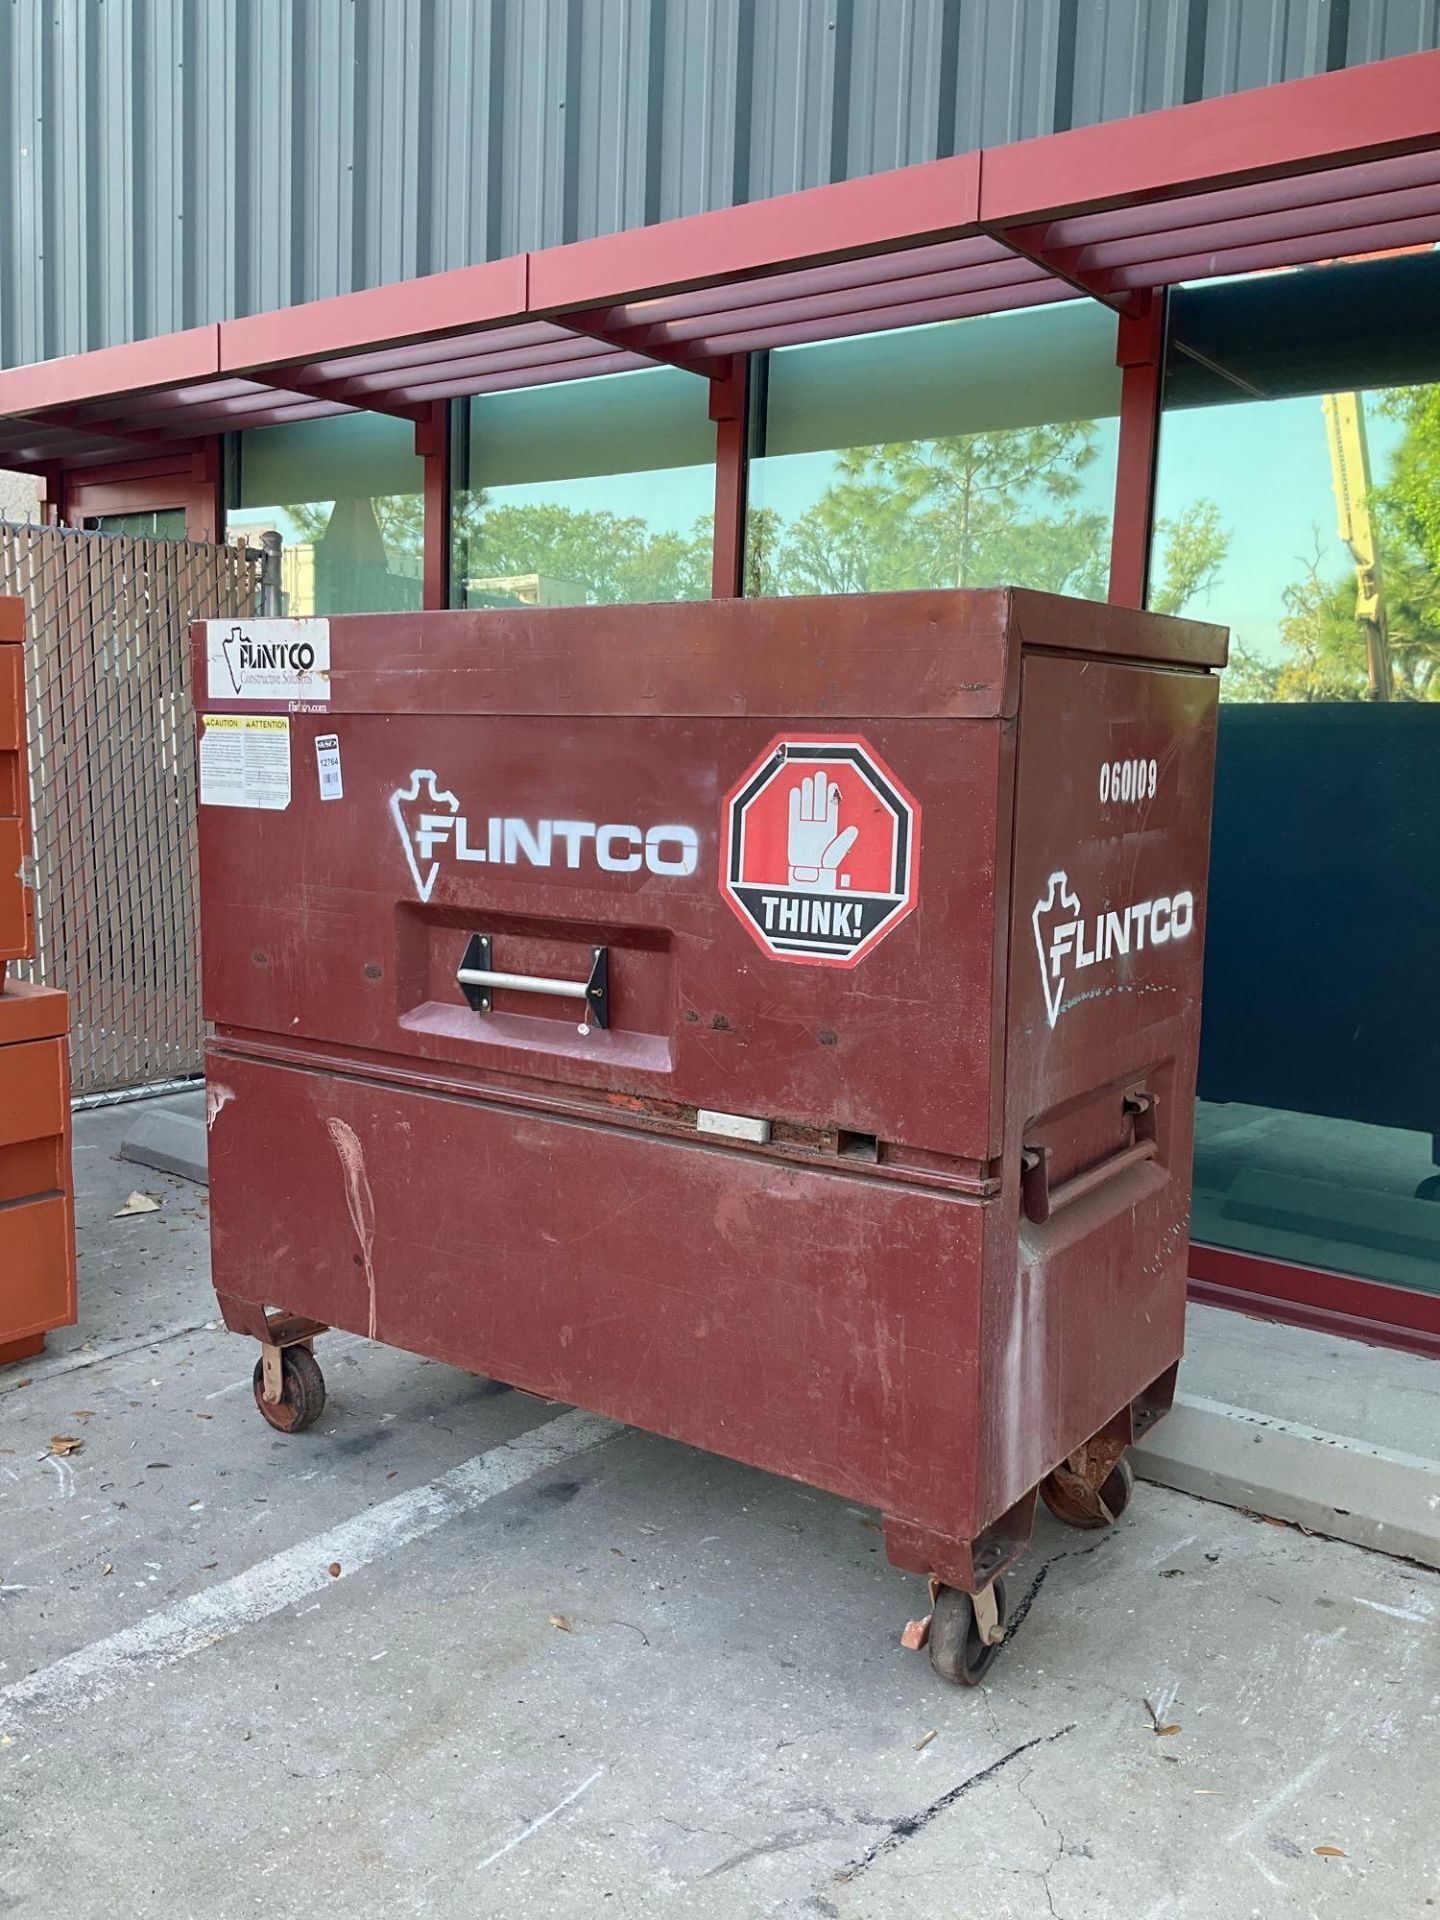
173, 1633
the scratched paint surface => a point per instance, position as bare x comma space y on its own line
722, 1726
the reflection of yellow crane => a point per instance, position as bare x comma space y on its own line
1350, 471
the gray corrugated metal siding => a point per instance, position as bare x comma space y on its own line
169, 162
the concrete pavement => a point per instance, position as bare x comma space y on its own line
567, 1669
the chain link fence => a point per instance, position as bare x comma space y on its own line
112, 766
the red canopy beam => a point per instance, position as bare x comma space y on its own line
125, 369
1329, 120
1267, 255
943, 256
406, 310
295, 380
876, 214
597, 324
1165, 217
1001, 271
955, 306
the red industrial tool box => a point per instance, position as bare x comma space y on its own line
772, 1023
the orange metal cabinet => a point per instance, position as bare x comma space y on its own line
37, 1220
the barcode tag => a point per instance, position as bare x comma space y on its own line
327, 761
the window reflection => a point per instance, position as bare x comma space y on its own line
974, 453
1306, 407
345, 496
587, 492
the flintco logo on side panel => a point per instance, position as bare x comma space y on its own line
1067, 938
431, 827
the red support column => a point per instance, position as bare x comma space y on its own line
1140, 354
52, 486
205, 508
432, 444
729, 409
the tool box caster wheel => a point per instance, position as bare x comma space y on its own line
1074, 1501
959, 1649
302, 1397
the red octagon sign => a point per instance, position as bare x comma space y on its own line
820, 850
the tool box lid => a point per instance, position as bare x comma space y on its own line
922, 655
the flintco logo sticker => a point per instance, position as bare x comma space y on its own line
820, 850
269, 660
433, 828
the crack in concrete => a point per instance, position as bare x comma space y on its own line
1022, 1787
910, 1824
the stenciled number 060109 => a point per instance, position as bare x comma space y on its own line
1128, 780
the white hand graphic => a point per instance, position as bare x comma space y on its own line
816, 845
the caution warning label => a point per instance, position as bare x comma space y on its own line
820, 850
245, 761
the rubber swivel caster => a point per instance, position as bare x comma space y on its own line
1429, 1187
962, 1650
302, 1391
1073, 1500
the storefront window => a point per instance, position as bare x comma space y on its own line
586, 492
1302, 439
974, 453
345, 495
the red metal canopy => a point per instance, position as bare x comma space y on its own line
1343, 163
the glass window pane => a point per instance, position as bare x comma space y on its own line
974, 453
157, 523
346, 497
1309, 522
586, 492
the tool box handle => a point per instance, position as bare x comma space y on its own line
479, 980
1041, 1201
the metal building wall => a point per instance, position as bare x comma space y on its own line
169, 162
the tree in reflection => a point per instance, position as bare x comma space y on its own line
971, 509
1003, 507
979, 509
598, 556
503, 554
1323, 643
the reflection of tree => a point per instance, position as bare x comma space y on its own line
1324, 645
967, 510
610, 556
1191, 550
975, 509
979, 509
613, 557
